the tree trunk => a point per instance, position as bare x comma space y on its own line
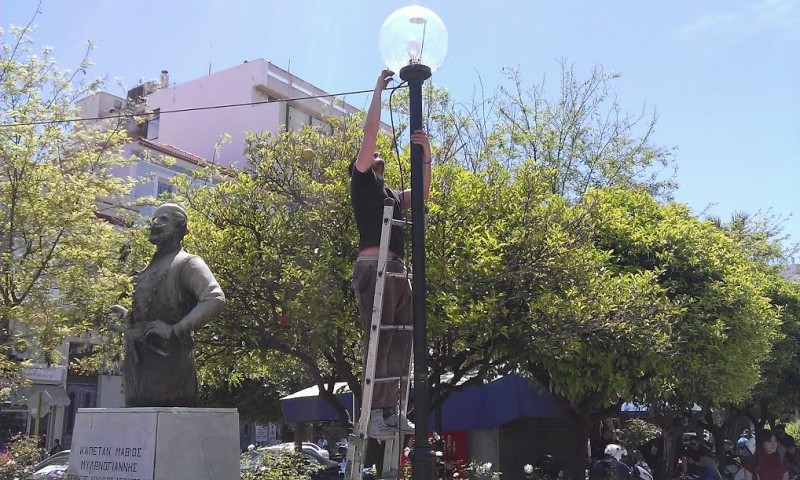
581, 426
302, 433
5, 331
671, 438
719, 443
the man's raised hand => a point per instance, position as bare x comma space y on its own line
419, 137
383, 79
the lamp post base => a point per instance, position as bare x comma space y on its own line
415, 72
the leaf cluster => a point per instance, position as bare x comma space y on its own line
59, 256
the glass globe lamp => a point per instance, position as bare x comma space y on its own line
413, 37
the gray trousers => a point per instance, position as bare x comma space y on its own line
394, 347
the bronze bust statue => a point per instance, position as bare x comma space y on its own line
173, 297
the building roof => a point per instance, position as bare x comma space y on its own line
176, 152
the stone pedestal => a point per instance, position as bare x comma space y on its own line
155, 443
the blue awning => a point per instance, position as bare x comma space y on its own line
496, 403
308, 406
474, 408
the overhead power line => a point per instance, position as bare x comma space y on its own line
181, 110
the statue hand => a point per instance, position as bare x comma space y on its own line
159, 329
115, 327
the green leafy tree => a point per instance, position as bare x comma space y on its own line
793, 429
561, 265
581, 136
599, 301
761, 238
280, 237
726, 324
636, 433
23, 453
777, 392
563, 144
280, 466
55, 247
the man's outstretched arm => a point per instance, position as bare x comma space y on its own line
372, 124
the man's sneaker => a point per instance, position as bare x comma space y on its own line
395, 421
376, 428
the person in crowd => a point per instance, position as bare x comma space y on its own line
695, 445
653, 453
56, 447
322, 443
746, 445
787, 446
766, 463
599, 447
611, 466
700, 466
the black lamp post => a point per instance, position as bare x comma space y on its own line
422, 461
414, 40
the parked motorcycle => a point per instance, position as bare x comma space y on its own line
640, 469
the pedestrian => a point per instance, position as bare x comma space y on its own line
695, 445
653, 453
599, 447
746, 445
766, 463
56, 447
787, 446
701, 467
368, 191
611, 465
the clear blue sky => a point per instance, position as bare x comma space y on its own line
723, 75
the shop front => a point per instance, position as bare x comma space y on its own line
41, 403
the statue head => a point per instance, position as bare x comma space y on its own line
168, 224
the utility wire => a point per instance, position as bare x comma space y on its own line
181, 110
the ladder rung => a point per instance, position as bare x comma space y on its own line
400, 223
399, 275
390, 379
408, 328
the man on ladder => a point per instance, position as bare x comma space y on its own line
368, 192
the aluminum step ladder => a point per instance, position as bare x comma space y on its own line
357, 443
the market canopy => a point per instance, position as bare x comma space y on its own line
476, 407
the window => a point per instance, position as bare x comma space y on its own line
164, 188
297, 119
152, 124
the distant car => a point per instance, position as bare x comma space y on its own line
52, 467
308, 448
322, 451
251, 461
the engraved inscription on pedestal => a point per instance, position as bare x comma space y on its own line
155, 443
118, 447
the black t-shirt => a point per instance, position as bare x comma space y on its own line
367, 193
